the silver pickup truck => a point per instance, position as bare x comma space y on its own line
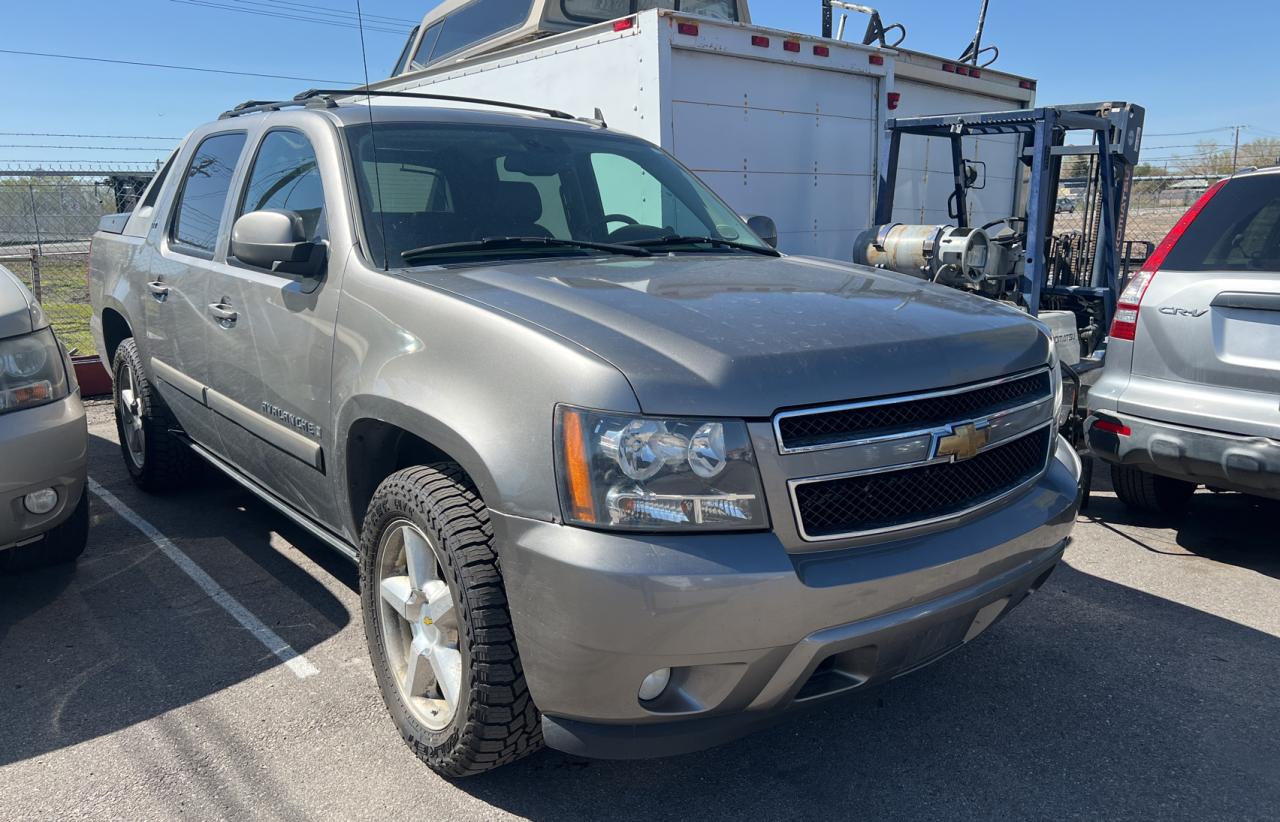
617, 474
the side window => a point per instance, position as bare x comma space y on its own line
423, 55
285, 176
198, 216
554, 218
475, 22
404, 53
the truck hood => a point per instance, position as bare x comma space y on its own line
743, 336
15, 308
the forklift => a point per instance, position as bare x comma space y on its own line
1070, 282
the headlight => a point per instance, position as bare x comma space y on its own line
646, 473
1055, 379
31, 371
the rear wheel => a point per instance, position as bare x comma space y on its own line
156, 456
1142, 491
60, 545
438, 626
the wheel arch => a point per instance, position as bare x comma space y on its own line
115, 330
378, 437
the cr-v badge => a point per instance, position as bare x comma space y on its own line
1183, 312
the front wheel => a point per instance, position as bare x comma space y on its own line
438, 626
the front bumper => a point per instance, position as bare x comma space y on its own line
750, 630
43, 447
1250, 465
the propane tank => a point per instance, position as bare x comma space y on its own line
941, 253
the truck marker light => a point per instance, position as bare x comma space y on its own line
792, 46
875, 59
576, 468
1125, 324
821, 51
974, 73
761, 42
894, 98
1027, 84
963, 71
624, 24
950, 68
690, 29
1113, 427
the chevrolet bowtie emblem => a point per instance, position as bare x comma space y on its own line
964, 442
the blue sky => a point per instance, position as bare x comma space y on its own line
1194, 71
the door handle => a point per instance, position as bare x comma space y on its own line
223, 313
158, 290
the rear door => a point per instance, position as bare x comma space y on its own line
1208, 340
177, 316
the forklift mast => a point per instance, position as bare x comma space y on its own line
1116, 138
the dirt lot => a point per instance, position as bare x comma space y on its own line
1140, 682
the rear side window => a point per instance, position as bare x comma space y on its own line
1238, 230
198, 217
285, 176
472, 23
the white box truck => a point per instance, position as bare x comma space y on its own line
778, 123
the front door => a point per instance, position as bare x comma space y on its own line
271, 339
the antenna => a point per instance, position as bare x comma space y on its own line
373, 140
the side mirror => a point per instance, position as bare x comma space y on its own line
764, 228
276, 240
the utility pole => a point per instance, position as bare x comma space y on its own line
1235, 150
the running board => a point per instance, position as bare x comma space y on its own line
298, 518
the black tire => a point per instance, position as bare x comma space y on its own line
61, 545
494, 721
1150, 492
166, 462
1086, 481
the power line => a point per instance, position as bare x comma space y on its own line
152, 149
329, 10
282, 15
175, 68
1188, 133
85, 136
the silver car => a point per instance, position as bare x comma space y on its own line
618, 475
44, 508
1191, 390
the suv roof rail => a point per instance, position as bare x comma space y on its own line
326, 98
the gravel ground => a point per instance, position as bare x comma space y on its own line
1140, 682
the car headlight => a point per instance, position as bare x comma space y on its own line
1061, 412
648, 473
31, 371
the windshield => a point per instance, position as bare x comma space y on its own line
436, 184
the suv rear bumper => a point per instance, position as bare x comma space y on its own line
1250, 465
749, 630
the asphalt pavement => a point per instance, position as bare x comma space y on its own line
1140, 683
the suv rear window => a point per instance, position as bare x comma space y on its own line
1238, 230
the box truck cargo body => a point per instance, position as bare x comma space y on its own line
777, 123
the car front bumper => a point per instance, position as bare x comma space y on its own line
1250, 465
749, 630
42, 447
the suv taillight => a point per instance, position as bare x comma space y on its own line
1125, 324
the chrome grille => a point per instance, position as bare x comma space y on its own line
887, 500
837, 426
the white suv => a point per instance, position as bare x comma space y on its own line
1191, 390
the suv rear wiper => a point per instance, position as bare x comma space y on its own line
520, 242
677, 239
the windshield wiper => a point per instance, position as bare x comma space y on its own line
677, 239
520, 242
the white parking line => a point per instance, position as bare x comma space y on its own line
294, 661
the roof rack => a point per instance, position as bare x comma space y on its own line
326, 98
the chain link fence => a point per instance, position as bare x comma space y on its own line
47, 217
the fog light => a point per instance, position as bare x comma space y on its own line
40, 502
654, 684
